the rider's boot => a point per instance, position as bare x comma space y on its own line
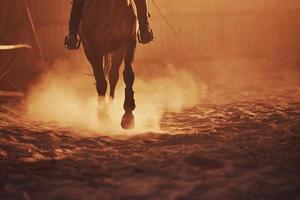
71, 41
145, 33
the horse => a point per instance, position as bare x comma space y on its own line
108, 32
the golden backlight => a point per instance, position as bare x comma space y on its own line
217, 97
237, 46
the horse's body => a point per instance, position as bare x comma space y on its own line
108, 27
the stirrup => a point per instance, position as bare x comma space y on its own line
72, 42
145, 35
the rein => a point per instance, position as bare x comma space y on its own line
171, 26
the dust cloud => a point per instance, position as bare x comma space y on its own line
66, 95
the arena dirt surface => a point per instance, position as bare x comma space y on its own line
244, 148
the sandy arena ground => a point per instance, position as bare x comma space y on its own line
247, 148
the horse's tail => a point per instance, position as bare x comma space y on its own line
107, 64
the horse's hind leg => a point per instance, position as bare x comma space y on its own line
117, 59
128, 74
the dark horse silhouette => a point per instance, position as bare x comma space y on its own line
108, 32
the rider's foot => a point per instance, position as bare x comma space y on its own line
145, 34
71, 42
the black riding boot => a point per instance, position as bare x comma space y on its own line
146, 34
76, 12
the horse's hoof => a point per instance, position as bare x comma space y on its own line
128, 121
102, 111
102, 114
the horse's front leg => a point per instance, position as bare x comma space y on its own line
128, 74
101, 83
117, 59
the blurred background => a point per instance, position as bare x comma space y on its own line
215, 34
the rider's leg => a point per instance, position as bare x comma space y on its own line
146, 34
76, 13
74, 23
